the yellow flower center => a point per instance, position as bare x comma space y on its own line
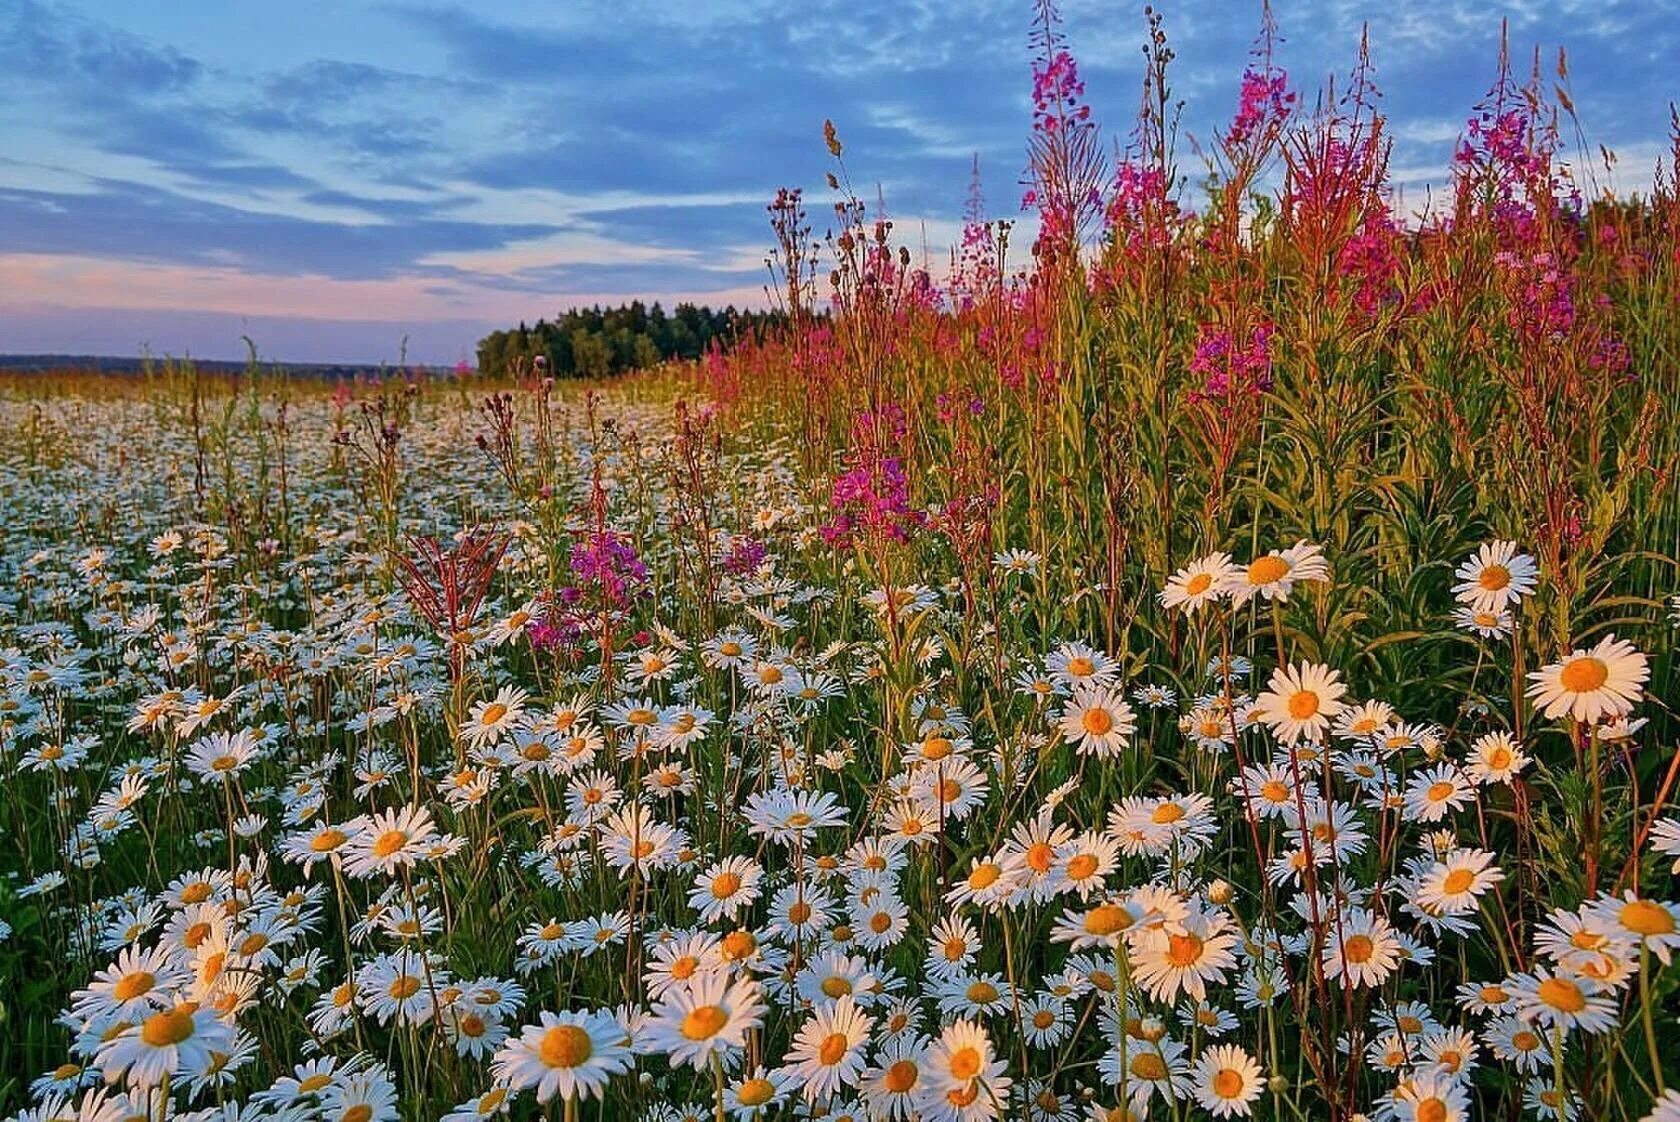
1645, 918
833, 1049
1562, 994
1431, 1109
328, 840
725, 885
1081, 866
1358, 949
389, 842
755, 1092
493, 712
984, 876
901, 1076
1303, 704
982, 993
1147, 1065
1184, 950
1167, 813
1227, 1083
131, 986
1198, 584
1106, 919
1267, 570
1494, 578
166, 1029
567, 1046
704, 1022
1457, 881
836, 987
1097, 721
1583, 675
1081, 667
404, 986
965, 1063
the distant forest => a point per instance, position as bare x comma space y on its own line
596, 342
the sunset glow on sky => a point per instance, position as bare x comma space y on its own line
330, 178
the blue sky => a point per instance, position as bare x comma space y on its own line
330, 177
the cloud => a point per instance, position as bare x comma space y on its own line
491, 160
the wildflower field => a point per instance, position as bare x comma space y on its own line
1215, 660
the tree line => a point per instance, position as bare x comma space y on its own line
597, 342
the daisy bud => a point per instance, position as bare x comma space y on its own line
1220, 892
1278, 1084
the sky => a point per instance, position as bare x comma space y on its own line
368, 180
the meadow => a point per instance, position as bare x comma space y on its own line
1215, 660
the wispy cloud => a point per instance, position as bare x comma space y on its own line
390, 164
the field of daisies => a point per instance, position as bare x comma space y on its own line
1217, 664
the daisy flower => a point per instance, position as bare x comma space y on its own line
572, 1055
1168, 962
1077, 664
1097, 721
488, 721
137, 984
1488, 625
388, 841
1653, 923
964, 1083
1362, 948
1602, 681
1274, 575
1301, 702
725, 888
1201, 582
221, 756
1045, 1021
827, 1052
1559, 1000
1495, 758
755, 1094
1430, 1098
1665, 839
182, 1040
785, 815
1495, 577
1435, 792
1225, 1080
706, 1015
1453, 884
894, 1083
